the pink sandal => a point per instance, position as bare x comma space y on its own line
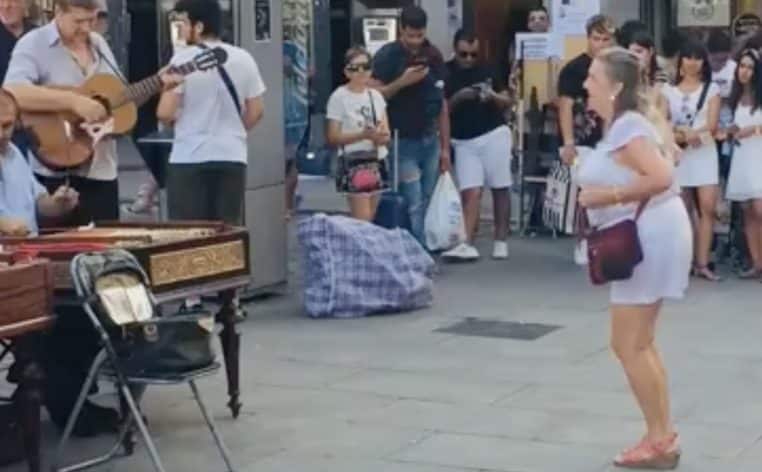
651, 455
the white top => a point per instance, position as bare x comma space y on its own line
682, 106
723, 78
354, 112
208, 126
601, 167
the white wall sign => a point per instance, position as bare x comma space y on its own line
537, 46
703, 13
570, 16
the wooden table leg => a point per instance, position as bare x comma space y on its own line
231, 348
29, 397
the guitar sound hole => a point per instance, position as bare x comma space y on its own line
103, 101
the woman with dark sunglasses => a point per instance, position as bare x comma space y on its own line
745, 178
694, 109
358, 127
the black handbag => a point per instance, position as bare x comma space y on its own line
144, 342
167, 345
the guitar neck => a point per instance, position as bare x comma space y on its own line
140, 92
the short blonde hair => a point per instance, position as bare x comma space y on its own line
600, 24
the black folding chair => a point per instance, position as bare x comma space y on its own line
139, 349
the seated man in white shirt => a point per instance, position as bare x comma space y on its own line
22, 198
22, 201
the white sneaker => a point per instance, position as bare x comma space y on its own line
580, 253
500, 250
463, 252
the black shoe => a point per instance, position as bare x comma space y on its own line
93, 420
14, 373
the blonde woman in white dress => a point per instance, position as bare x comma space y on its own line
745, 179
627, 167
695, 123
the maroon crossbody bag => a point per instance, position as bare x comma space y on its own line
613, 252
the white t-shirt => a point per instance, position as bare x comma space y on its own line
355, 113
208, 126
724, 78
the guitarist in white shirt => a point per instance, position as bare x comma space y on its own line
66, 52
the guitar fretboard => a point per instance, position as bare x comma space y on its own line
146, 88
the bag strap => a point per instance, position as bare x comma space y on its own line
702, 100
583, 223
372, 111
228, 83
641, 207
372, 108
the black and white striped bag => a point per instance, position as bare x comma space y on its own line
560, 206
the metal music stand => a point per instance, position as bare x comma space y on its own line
160, 144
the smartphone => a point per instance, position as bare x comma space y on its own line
418, 61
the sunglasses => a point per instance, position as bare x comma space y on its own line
363, 67
466, 54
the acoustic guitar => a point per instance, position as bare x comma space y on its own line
62, 140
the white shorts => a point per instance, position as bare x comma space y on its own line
484, 161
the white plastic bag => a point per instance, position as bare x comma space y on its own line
444, 225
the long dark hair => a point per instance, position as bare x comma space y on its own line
756, 81
693, 49
645, 40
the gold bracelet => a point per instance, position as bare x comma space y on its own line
617, 195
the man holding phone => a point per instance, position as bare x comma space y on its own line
482, 140
410, 74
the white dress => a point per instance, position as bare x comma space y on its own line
664, 227
698, 166
745, 179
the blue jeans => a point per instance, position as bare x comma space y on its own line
418, 174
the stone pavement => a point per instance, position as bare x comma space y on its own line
389, 394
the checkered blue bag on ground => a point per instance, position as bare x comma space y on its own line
353, 268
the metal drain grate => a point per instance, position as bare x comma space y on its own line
499, 329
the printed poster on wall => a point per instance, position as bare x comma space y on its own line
569, 17
692, 13
537, 46
454, 16
262, 20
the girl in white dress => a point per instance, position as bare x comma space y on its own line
628, 167
745, 179
695, 122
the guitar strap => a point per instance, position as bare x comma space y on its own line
228, 83
117, 71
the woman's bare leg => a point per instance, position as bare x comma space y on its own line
632, 339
